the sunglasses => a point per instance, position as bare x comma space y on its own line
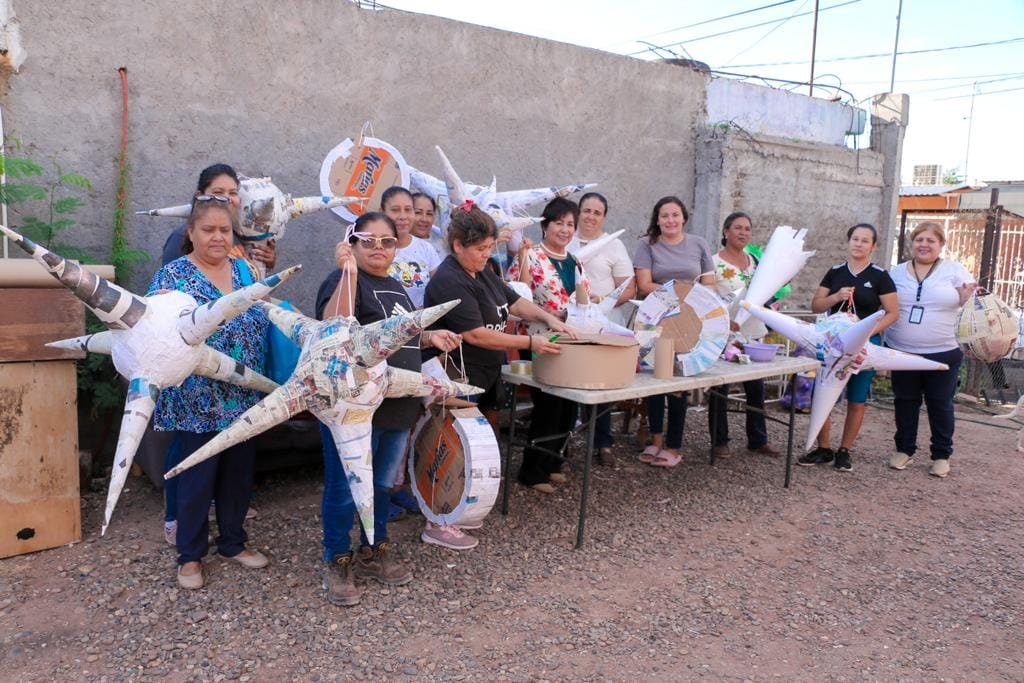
210, 198
378, 242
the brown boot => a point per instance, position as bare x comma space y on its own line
376, 563
339, 581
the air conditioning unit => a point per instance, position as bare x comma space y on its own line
929, 174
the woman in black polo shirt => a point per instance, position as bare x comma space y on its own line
864, 287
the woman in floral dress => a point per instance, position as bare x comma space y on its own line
553, 274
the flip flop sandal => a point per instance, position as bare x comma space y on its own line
667, 459
650, 454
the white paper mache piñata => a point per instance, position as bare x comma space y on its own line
508, 209
593, 318
341, 377
155, 342
265, 209
782, 259
843, 345
986, 328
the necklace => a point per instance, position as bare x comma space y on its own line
552, 253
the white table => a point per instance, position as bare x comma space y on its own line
645, 384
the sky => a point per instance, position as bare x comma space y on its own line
986, 144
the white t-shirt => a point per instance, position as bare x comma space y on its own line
940, 303
729, 280
611, 262
412, 267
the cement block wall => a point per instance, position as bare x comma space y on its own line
781, 182
271, 90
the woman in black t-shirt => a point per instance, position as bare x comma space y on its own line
486, 302
362, 288
865, 287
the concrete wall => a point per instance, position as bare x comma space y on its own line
272, 90
780, 182
772, 111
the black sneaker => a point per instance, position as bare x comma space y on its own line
842, 462
819, 456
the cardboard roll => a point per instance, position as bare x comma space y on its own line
987, 328
364, 168
455, 466
690, 314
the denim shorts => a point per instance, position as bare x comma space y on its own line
858, 386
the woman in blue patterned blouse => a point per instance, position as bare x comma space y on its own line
202, 407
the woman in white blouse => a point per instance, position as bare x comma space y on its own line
932, 290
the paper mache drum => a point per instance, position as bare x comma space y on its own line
455, 466
693, 315
363, 168
986, 328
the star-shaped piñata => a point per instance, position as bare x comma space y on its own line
341, 377
155, 342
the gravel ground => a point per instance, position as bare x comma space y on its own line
713, 572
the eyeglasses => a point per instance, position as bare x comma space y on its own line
378, 242
210, 198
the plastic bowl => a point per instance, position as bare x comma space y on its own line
761, 353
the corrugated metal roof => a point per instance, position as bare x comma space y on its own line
930, 190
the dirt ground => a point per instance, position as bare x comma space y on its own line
697, 572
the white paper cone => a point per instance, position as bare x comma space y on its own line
802, 333
220, 366
783, 258
408, 383
457, 193
101, 342
301, 206
292, 324
856, 336
138, 409
204, 320
115, 306
180, 211
353, 440
374, 343
827, 390
272, 410
585, 254
882, 358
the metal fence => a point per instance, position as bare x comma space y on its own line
990, 244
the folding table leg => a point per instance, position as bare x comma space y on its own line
505, 466
792, 419
711, 421
587, 458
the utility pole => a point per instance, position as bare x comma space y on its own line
970, 126
814, 46
895, 47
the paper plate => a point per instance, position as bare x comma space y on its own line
364, 170
700, 325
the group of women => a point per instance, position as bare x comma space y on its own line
392, 262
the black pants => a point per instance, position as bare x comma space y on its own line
225, 479
937, 388
551, 415
757, 432
603, 428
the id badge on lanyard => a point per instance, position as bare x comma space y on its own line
916, 313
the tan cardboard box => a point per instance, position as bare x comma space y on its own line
594, 361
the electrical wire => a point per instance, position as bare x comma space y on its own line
644, 39
746, 28
770, 31
880, 54
980, 94
939, 78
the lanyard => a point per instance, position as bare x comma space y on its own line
920, 280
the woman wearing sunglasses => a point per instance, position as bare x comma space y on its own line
220, 180
361, 287
201, 407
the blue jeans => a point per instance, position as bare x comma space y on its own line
757, 431
337, 509
172, 458
676, 417
936, 388
603, 429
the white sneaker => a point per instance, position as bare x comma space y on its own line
900, 461
940, 468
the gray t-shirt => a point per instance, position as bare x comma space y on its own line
685, 261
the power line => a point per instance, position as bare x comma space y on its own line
968, 85
746, 28
706, 21
881, 54
980, 94
770, 31
939, 78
